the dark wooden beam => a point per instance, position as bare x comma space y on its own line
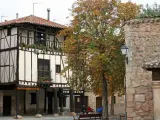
55, 101
45, 99
17, 59
8, 49
82, 97
61, 97
24, 98
37, 101
71, 101
17, 103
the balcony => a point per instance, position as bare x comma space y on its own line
44, 78
45, 44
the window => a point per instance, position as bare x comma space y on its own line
58, 68
41, 36
9, 32
43, 68
33, 98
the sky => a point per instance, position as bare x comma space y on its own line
59, 8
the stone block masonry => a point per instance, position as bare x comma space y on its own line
142, 36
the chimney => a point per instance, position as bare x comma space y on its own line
48, 11
16, 15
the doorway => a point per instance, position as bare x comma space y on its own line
98, 102
78, 103
50, 104
6, 105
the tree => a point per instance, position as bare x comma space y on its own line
149, 11
93, 46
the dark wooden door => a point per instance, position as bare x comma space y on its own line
79, 102
50, 105
6, 105
98, 102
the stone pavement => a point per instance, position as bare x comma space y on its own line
46, 118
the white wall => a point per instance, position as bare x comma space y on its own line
25, 61
8, 41
8, 58
25, 66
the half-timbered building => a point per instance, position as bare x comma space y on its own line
31, 61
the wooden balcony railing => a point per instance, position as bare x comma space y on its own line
46, 44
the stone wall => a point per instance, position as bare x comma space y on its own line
143, 40
91, 99
13, 101
118, 107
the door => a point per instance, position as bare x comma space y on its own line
98, 102
6, 105
85, 100
50, 105
78, 102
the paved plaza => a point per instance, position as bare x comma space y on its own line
47, 118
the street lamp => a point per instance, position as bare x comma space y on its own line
124, 50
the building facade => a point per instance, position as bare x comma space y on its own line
142, 37
31, 61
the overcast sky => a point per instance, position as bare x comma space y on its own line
59, 8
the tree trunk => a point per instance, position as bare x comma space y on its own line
104, 98
112, 105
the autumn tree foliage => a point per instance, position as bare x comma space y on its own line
93, 46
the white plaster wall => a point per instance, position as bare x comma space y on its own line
5, 71
25, 66
8, 41
8, 58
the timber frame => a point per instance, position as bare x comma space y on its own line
10, 47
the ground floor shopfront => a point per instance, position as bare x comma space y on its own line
46, 101
43, 101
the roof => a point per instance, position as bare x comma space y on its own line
143, 20
152, 64
32, 20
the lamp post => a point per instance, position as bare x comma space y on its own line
124, 50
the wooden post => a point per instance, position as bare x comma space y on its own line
17, 74
82, 99
17, 103
61, 97
71, 101
55, 101
45, 97
24, 102
37, 101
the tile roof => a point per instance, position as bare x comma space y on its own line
33, 20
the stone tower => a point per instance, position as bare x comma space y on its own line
142, 36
